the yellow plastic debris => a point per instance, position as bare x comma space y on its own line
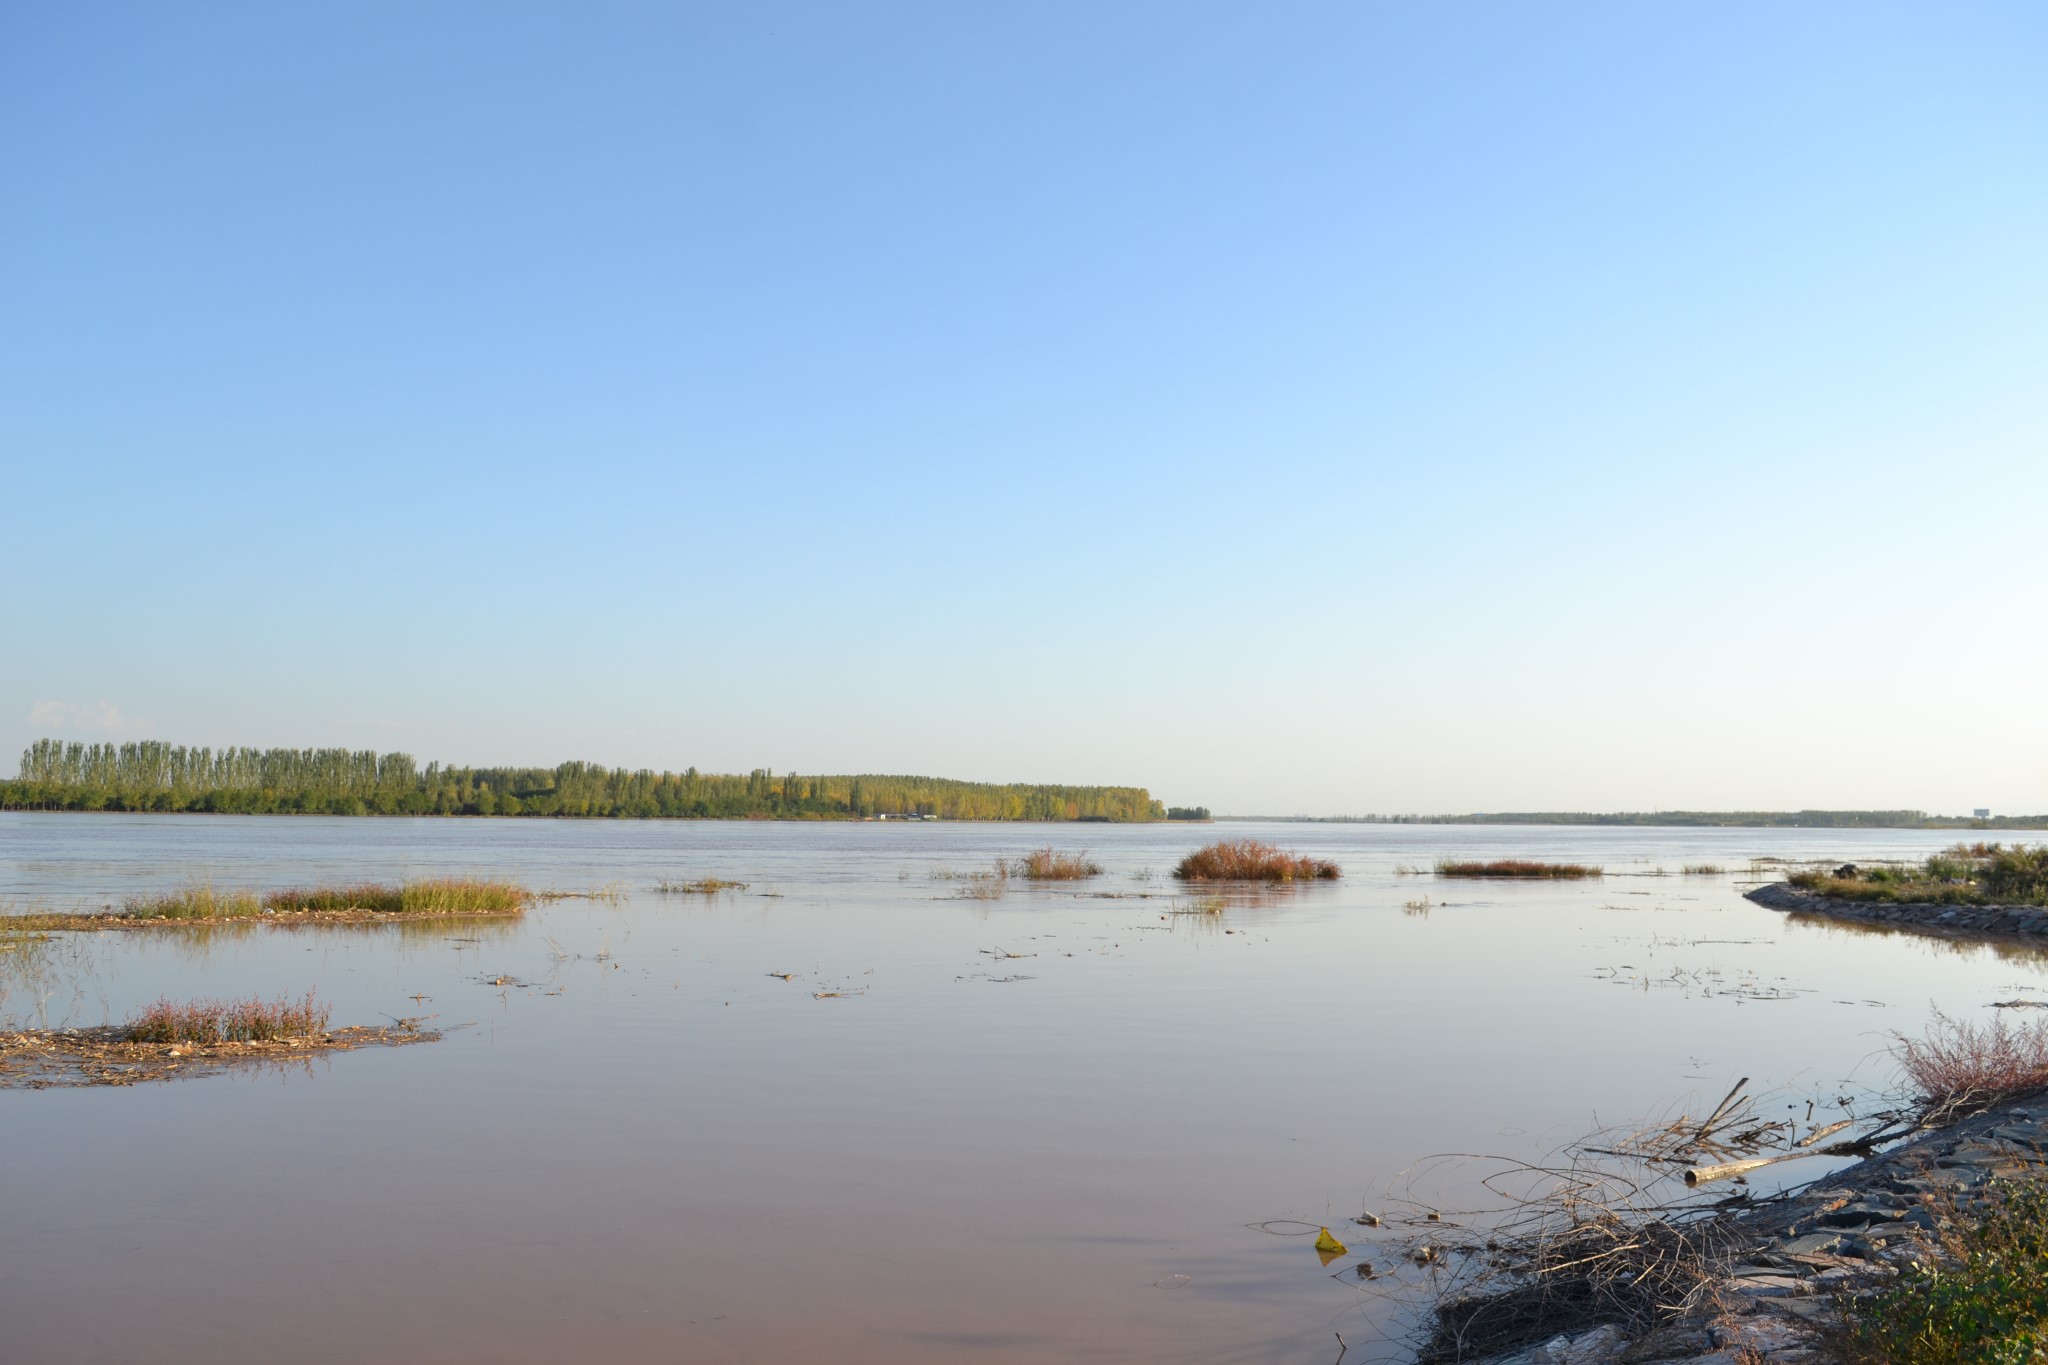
1329, 1245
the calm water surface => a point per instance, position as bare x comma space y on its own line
652, 1149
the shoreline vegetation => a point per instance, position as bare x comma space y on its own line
423, 898
1967, 874
1929, 1250
158, 777
1248, 860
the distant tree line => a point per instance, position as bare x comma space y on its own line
153, 776
1187, 812
1752, 819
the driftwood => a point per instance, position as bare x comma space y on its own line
1820, 1133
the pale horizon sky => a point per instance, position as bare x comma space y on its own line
1313, 408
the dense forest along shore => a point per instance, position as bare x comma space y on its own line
154, 776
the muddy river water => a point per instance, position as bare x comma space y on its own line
1039, 1126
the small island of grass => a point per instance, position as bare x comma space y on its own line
364, 903
1248, 860
1515, 867
175, 1039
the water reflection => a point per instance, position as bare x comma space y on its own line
45, 978
1933, 941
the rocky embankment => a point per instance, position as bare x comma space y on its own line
1849, 1229
2029, 920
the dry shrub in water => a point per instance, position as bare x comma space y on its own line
1248, 860
1960, 1068
1703, 869
1049, 865
229, 1021
1514, 867
198, 901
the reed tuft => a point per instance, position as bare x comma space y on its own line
201, 900
251, 1020
1514, 867
1050, 865
1248, 860
426, 896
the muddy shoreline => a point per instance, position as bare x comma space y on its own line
2018, 921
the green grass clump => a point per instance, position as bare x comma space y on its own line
462, 896
1981, 1298
337, 899
423, 896
1514, 867
201, 900
703, 886
229, 1021
1248, 860
1967, 874
1050, 865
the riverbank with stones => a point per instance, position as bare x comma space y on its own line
2018, 920
1852, 1228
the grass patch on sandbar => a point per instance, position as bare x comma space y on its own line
1515, 867
208, 1022
425, 896
367, 903
201, 900
1248, 860
1050, 865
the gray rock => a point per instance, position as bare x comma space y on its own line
1812, 1244
1769, 1286
1597, 1347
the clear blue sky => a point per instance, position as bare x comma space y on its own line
1289, 407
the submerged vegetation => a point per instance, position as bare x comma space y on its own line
1704, 870
208, 1022
1248, 860
1514, 867
702, 886
153, 776
1967, 874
